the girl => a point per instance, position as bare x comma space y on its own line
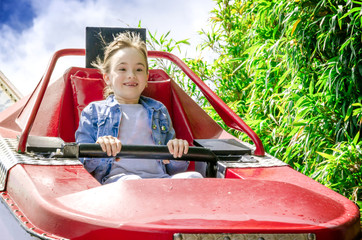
126, 117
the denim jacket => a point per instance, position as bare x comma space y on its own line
102, 118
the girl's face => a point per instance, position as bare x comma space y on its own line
127, 76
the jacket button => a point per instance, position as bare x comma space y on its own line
163, 128
154, 126
159, 142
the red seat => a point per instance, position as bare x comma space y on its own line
64, 99
58, 115
87, 86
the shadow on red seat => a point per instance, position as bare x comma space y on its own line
87, 86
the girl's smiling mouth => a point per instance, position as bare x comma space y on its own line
131, 84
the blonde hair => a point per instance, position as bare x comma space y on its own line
121, 41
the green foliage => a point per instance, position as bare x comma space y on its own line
167, 44
294, 68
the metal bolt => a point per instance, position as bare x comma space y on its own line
177, 236
227, 238
311, 236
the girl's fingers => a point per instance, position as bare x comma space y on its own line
186, 148
110, 145
177, 147
171, 147
115, 146
100, 141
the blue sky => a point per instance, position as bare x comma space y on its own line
32, 30
17, 14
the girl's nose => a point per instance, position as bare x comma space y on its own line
131, 74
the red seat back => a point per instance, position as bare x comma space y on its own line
58, 115
88, 85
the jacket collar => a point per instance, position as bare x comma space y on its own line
145, 101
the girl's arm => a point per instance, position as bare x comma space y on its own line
86, 133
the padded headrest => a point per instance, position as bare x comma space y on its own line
96, 36
85, 91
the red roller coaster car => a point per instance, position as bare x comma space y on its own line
247, 193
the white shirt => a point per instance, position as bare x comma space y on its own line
134, 130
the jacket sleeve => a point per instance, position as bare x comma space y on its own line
87, 133
176, 167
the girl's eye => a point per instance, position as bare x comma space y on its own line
122, 69
139, 70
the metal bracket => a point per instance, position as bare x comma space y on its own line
250, 161
9, 158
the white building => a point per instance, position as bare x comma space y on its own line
8, 93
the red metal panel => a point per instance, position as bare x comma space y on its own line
342, 215
67, 202
29, 117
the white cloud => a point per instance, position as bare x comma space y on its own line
61, 24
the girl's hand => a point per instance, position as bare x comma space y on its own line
110, 145
177, 147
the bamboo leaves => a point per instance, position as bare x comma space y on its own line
295, 68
